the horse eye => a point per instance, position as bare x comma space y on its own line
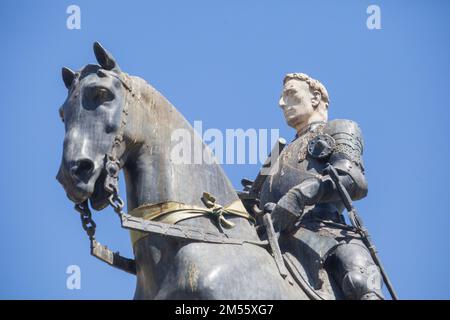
96, 96
103, 95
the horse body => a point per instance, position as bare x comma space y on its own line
166, 268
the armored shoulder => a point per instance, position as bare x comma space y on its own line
349, 142
346, 156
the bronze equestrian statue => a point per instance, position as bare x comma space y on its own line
191, 234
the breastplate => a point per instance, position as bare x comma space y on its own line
294, 166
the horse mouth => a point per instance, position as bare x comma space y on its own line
93, 190
99, 198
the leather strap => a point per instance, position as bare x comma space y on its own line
172, 212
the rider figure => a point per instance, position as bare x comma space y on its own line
302, 191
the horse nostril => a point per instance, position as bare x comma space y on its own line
82, 169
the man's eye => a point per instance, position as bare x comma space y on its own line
290, 92
287, 93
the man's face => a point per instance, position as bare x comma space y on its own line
296, 102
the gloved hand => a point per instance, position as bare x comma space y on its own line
290, 207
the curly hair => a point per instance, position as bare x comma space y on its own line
314, 84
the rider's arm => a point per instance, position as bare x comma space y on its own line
346, 158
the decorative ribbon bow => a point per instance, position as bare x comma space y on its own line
217, 211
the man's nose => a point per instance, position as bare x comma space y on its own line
82, 170
281, 103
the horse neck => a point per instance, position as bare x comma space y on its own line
150, 173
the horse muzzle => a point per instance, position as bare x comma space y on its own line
79, 179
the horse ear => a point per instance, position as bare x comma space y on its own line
104, 58
68, 76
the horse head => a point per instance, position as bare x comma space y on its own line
92, 118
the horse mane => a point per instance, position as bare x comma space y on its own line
157, 117
144, 91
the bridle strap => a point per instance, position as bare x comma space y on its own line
112, 168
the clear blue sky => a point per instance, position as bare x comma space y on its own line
222, 62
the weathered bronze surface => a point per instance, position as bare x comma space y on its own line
109, 113
189, 244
